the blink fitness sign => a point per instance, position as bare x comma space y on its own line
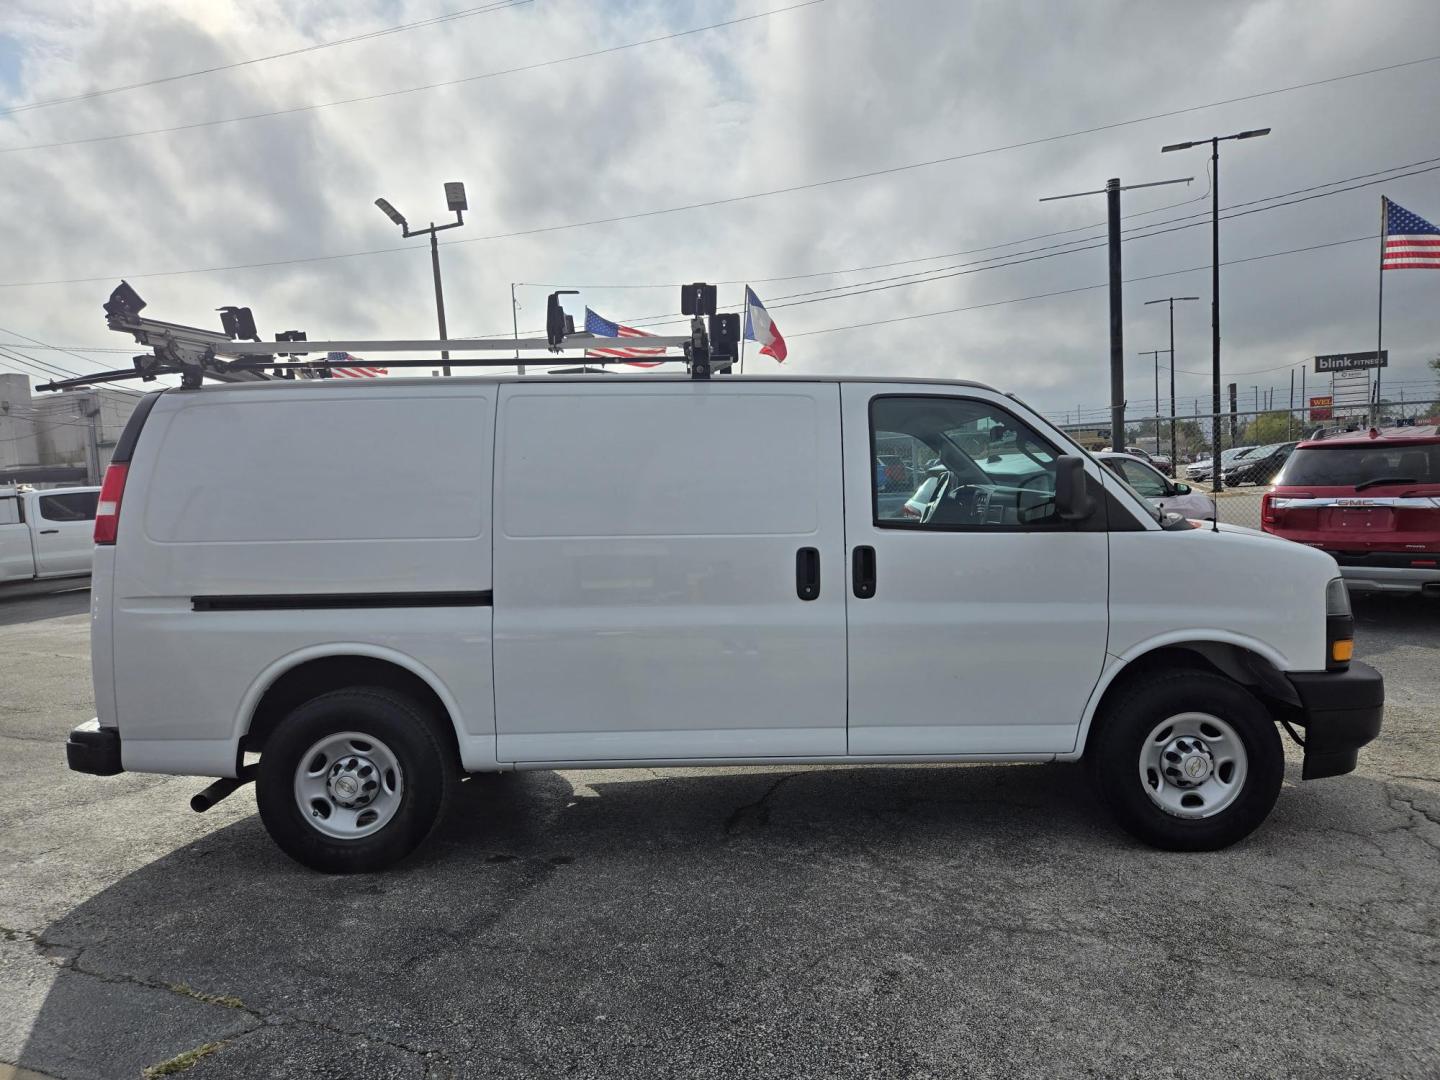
1352, 361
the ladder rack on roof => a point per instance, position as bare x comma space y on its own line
196, 354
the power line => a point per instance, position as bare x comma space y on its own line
1079, 289
886, 265
1136, 231
728, 200
367, 36
314, 106
921, 277
52, 368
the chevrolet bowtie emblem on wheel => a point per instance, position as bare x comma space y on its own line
1194, 767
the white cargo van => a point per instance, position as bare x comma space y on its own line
378, 585
46, 533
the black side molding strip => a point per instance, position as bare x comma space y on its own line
327, 601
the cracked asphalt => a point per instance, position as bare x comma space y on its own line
948, 921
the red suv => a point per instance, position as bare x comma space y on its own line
1369, 498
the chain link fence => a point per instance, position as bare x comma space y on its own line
1255, 444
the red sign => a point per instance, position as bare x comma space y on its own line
1320, 408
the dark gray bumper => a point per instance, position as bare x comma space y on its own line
1341, 712
94, 749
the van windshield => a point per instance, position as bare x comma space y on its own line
1362, 465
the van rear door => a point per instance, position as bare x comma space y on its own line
977, 625
668, 571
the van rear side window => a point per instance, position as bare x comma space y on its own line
352, 468
70, 506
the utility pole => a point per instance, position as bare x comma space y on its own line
1156, 354
1215, 141
1171, 301
1111, 191
515, 329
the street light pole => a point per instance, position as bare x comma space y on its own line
1215, 141
439, 297
454, 200
1174, 460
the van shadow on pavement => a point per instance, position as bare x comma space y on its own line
943, 921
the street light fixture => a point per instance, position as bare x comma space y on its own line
1215, 141
454, 200
1171, 301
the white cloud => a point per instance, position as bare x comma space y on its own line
838, 88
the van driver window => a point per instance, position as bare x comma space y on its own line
957, 463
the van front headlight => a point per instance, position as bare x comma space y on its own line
1339, 626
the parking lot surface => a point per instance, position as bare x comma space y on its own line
943, 921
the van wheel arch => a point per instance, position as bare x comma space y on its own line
323, 675
1242, 666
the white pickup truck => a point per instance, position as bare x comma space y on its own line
46, 534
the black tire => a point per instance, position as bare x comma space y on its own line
427, 766
1115, 751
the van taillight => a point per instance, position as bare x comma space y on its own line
1267, 509
107, 510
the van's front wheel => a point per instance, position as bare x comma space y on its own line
353, 780
1189, 761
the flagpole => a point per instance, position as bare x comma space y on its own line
1380, 306
744, 301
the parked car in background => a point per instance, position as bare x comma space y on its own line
1163, 493
1369, 498
46, 534
1202, 470
1260, 466
1160, 461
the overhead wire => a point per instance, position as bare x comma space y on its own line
315, 106
90, 95
730, 200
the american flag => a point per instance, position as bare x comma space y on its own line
354, 368
602, 327
1409, 241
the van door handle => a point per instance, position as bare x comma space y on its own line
807, 573
863, 576
48, 532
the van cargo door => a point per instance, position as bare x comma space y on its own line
668, 571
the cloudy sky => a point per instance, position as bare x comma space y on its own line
803, 95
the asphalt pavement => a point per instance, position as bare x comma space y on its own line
947, 921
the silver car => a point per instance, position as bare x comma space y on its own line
1164, 493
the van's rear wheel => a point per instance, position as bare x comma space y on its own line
1189, 761
353, 780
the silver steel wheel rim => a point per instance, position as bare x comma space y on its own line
1193, 765
349, 785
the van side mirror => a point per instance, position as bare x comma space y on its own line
1181, 489
1073, 501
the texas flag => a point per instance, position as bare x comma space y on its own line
758, 327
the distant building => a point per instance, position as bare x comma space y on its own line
58, 438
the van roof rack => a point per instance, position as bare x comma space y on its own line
235, 353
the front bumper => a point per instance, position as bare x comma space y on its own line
1340, 711
94, 749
